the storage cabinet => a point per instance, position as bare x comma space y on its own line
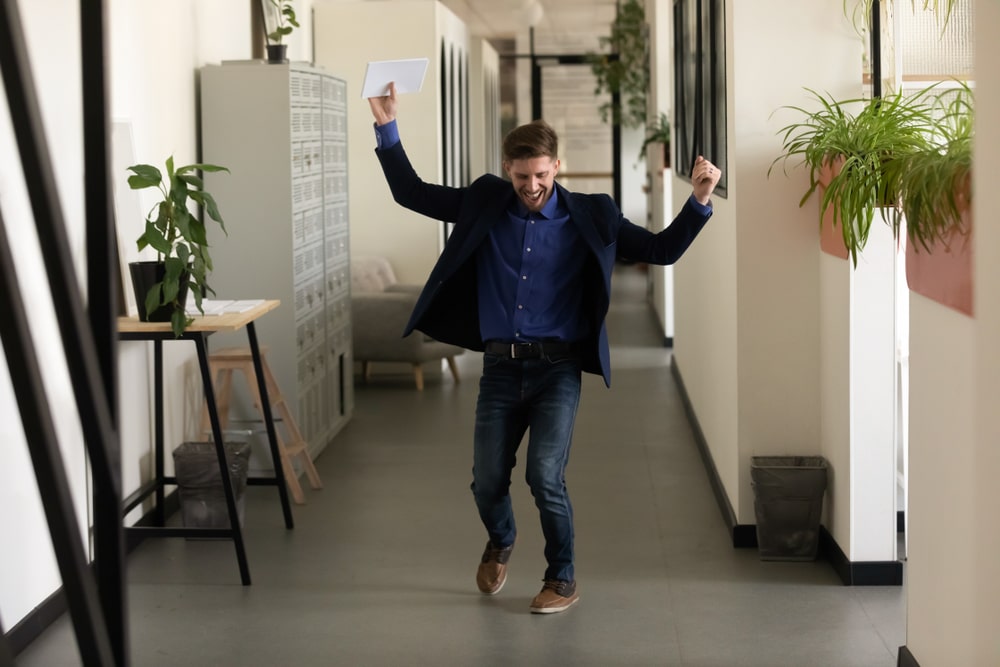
282, 132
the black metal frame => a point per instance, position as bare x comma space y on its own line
875, 35
6, 658
100, 628
699, 88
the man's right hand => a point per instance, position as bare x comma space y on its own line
384, 107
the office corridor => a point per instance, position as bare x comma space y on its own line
380, 568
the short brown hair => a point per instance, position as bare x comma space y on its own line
536, 139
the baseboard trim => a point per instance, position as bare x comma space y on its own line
859, 573
744, 536
35, 623
48, 612
905, 658
738, 532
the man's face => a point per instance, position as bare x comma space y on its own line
533, 179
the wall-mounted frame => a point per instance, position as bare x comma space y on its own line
700, 86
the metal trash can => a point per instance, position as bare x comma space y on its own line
199, 484
788, 504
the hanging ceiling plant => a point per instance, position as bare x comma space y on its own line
624, 68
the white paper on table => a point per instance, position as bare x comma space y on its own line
221, 306
408, 75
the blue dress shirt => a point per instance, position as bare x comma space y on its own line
530, 272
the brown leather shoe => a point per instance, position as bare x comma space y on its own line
556, 596
492, 574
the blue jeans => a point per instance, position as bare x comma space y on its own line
539, 396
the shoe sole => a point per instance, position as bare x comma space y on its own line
555, 610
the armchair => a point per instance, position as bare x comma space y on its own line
380, 308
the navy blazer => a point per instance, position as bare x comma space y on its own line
448, 306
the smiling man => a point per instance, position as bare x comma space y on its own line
525, 278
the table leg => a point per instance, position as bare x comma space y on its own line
272, 436
220, 449
159, 513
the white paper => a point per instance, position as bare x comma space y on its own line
408, 75
221, 306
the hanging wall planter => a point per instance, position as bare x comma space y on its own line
944, 272
936, 202
831, 241
852, 150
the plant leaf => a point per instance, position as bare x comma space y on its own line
153, 299
154, 238
144, 176
179, 321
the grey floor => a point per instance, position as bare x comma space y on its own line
380, 568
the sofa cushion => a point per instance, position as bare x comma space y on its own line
370, 273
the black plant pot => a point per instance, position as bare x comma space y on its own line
144, 276
277, 53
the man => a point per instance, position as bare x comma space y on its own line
525, 277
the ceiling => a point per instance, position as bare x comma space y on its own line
561, 26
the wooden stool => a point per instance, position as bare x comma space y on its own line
222, 364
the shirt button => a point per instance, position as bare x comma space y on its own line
529, 249
524, 277
520, 307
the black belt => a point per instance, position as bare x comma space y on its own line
537, 350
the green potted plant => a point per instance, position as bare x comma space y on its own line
935, 181
625, 69
658, 133
936, 202
279, 20
849, 155
179, 238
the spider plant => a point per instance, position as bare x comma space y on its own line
934, 182
860, 11
857, 140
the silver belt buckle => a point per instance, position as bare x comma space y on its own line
513, 350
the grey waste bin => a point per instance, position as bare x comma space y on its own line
788, 503
203, 500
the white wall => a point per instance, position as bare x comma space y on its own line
985, 504
747, 310
484, 109
953, 576
344, 45
155, 51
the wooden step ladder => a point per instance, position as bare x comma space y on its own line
223, 363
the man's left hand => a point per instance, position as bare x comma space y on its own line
704, 177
